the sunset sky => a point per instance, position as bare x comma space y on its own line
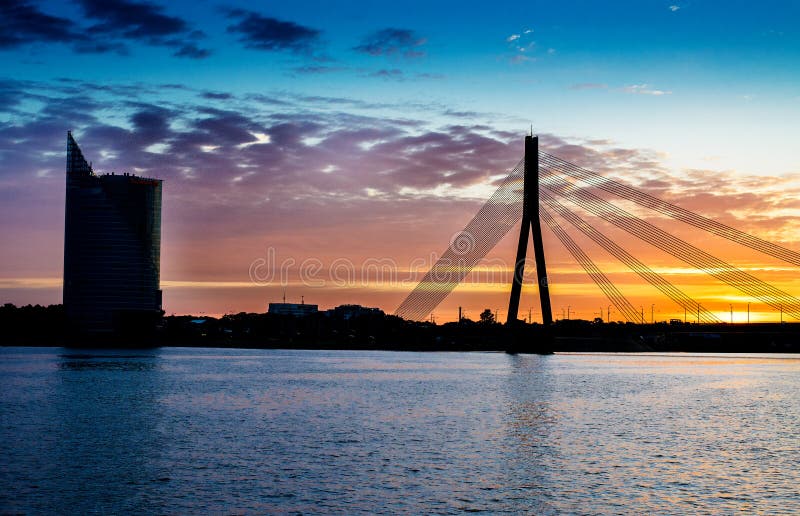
302, 140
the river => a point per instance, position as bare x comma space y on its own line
178, 430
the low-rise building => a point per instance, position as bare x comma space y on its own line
293, 309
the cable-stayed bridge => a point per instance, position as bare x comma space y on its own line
543, 188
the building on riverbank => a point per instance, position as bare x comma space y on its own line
112, 248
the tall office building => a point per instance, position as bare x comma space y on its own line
112, 248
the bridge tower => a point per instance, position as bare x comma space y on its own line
530, 224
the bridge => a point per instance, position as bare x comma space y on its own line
543, 188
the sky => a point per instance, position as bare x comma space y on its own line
330, 153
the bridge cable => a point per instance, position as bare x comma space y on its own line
492, 222
664, 286
666, 242
671, 210
601, 280
742, 281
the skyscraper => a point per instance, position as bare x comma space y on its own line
112, 248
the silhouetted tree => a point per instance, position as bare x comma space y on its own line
487, 317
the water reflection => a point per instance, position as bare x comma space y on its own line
107, 362
105, 432
233, 431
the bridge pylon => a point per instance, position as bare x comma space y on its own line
530, 224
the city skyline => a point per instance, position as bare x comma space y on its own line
373, 133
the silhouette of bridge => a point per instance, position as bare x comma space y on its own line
541, 188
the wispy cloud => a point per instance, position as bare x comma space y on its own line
318, 69
522, 47
392, 42
644, 89
393, 74
260, 32
674, 8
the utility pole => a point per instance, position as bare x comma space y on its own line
698, 313
608, 313
652, 315
568, 307
459, 315
601, 313
641, 307
731, 313
748, 313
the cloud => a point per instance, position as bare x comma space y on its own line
318, 69
115, 23
216, 95
674, 8
644, 89
22, 23
143, 22
393, 74
299, 173
522, 46
265, 33
391, 42
521, 58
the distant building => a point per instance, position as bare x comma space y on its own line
293, 309
350, 311
112, 248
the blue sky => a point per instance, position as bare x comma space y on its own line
216, 98
589, 69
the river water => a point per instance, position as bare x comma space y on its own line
175, 431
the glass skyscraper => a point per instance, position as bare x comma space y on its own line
112, 249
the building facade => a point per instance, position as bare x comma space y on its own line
112, 248
293, 309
